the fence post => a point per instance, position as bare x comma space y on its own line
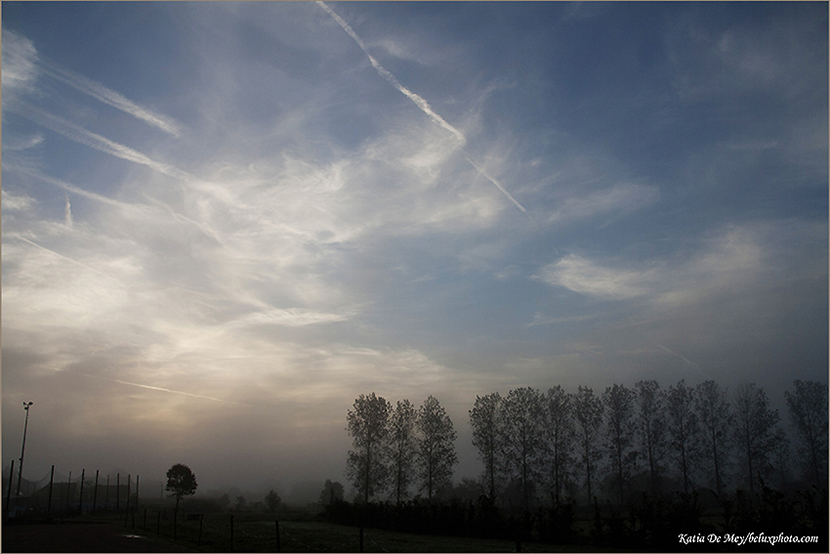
117, 492
127, 513
145, 519
81, 503
231, 533
107, 494
136, 493
361, 539
95, 494
175, 523
51, 482
158, 523
277, 525
68, 488
201, 519
9, 495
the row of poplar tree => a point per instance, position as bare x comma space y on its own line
397, 447
565, 444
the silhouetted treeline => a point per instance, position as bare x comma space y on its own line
611, 447
628, 467
394, 448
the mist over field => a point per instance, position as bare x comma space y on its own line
222, 222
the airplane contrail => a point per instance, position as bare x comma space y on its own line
673, 353
108, 96
419, 101
492, 180
161, 389
92, 269
123, 205
79, 134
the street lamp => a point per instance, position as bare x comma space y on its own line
23, 449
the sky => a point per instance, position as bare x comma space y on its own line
223, 222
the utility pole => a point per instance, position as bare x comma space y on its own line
26, 406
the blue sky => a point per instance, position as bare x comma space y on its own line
222, 222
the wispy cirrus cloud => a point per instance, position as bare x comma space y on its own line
737, 257
23, 66
584, 276
617, 200
19, 63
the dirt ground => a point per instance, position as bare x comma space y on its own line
81, 537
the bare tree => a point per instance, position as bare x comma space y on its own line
486, 422
651, 427
403, 447
588, 412
808, 412
619, 434
559, 439
780, 458
367, 424
754, 432
683, 430
523, 417
715, 415
436, 448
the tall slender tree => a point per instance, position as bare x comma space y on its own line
683, 431
436, 446
754, 432
715, 415
588, 411
403, 447
620, 427
651, 427
367, 466
559, 439
523, 417
807, 406
486, 423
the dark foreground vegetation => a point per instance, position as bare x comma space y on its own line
648, 523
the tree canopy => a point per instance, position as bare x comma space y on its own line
181, 482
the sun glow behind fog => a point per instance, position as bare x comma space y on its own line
323, 201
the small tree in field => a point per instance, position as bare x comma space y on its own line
180, 482
272, 500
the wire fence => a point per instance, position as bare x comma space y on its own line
56, 494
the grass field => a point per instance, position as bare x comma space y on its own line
253, 533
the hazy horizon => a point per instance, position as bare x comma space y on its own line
222, 222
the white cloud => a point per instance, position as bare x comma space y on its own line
20, 58
23, 143
738, 257
581, 275
16, 202
618, 199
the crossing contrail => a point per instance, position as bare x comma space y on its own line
418, 100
